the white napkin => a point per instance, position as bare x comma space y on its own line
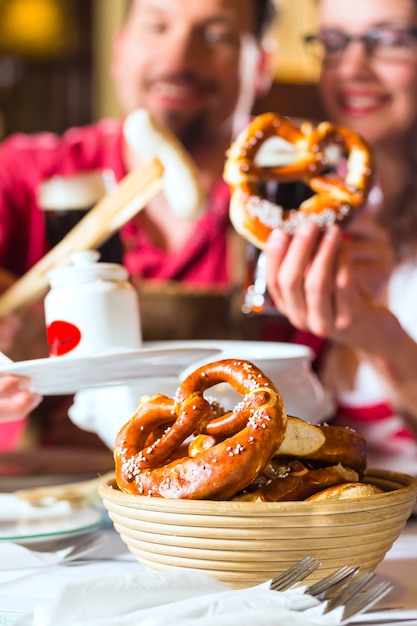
16, 561
174, 598
16, 557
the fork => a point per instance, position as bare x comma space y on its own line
343, 588
304, 568
295, 574
349, 591
69, 551
355, 600
327, 586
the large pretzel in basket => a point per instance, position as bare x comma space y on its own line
147, 447
336, 198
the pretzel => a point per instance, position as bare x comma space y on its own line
341, 453
143, 459
295, 481
336, 198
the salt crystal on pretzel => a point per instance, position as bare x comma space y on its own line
146, 447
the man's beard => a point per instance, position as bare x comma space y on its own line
190, 132
190, 128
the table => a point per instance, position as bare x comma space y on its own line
112, 557
400, 567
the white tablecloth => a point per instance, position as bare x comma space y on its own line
21, 594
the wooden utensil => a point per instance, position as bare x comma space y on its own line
170, 166
98, 225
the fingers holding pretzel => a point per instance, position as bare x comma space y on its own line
309, 278
322, 283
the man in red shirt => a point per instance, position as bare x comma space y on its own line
197, 67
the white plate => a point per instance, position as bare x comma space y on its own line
241, 348
67, 375
24, 523
288, 365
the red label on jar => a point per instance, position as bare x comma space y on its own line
62, 337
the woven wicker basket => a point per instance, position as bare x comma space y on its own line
246, 543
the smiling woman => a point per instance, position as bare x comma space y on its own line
368, 83
369, 70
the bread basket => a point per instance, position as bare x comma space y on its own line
246, 543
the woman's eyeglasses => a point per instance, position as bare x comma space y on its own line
387, 43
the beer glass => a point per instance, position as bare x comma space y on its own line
65, 199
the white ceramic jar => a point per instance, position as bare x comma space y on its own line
288, 365
91, 308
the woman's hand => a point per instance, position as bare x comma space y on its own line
371, 253
327, 283
16, 399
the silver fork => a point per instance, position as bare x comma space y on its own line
349, 591
71, 551
304, 568
342, 588
327, 586
295, 574
355, 600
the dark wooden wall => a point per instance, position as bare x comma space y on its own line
50, 93
296, 100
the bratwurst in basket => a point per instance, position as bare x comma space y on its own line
189, 447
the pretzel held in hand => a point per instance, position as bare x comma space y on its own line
146, 459
336, 198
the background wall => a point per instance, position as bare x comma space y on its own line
294, 91
55, 56
293, 65
107, 17
45, 64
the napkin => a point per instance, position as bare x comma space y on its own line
17, 561
174, 598
16, 557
